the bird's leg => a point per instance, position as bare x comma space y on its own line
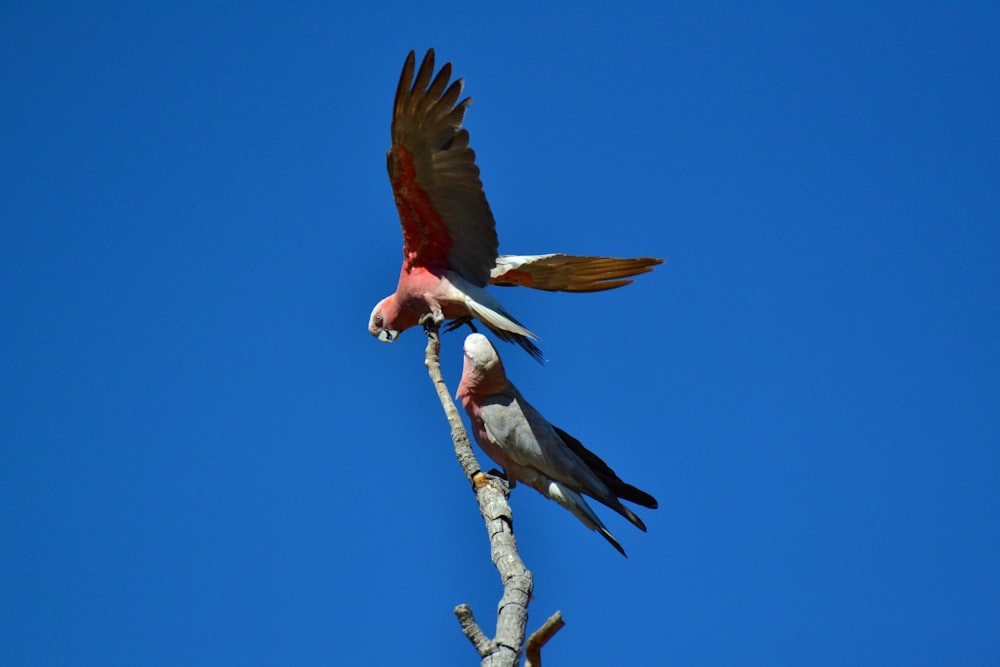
502, 474
429, 324
458, 322
434, 318
481, 479
436, 311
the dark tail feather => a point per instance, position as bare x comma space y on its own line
611, 538
625, 512
607, 475
632, 494
528, 346
524, 342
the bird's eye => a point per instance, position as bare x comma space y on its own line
378, 321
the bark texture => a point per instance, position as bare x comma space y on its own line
491, 494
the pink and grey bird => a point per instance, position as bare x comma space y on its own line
531, 450
449, 235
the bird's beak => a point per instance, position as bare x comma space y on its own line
387, 335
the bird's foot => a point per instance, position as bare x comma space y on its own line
430, 323
457, 323
481, 479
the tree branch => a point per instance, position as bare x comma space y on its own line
459, 436
491, 493
540, 637
483, 644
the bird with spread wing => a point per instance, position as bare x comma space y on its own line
449, 235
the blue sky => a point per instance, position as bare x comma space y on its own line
206, 459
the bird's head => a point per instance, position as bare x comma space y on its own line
483, 370
379, 323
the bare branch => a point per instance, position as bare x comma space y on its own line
491, 493
463, 446
483, 644
540, 637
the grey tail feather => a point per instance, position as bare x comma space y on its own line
607, 475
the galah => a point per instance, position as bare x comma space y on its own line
531, 450
449, 235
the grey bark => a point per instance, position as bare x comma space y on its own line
491, 494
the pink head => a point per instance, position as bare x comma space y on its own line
389, 319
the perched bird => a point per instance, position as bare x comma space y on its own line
531, 450
449, 235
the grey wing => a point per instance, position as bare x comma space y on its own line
528, 439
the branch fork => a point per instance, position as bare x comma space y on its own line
491, 494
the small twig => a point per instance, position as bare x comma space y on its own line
483, 644
540, 637
491, 493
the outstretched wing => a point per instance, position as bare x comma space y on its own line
447, 223
569, 273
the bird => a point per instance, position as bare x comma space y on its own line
533, 451
449, 234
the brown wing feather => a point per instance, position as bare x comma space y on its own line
569, 273
446, 220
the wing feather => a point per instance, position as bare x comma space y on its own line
620, 488
531, 442
446, 220
569, 273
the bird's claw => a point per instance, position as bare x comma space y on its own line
457, 323
481, 479
502, 475
430, 322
